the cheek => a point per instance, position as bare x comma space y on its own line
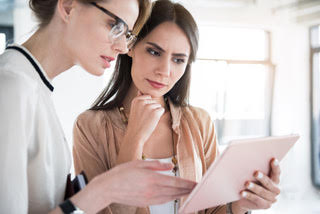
140, 67
176, 75
85, 34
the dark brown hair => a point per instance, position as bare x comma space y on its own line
118, 87
44, 11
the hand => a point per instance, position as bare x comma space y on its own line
261, 194
135, 183
144, 116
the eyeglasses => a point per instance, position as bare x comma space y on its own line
119, 29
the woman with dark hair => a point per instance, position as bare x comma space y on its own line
144, 114
34, 156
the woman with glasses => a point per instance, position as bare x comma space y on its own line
34, 156
144, 114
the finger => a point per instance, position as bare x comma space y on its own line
267, 182
170, 191
177, 182
258, 201
158, 110
154, 165
275, 171
166, 198
262, 192
149, 101
143, 97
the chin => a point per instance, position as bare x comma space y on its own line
96, 71
153, 93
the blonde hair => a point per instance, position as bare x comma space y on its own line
44, 11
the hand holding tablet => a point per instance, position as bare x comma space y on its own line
225, 178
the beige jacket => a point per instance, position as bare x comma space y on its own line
98, 135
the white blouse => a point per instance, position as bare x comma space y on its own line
166, 208
34, 156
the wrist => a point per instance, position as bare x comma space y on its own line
92, 198
236, 209
133, 138
130, 150
68, 207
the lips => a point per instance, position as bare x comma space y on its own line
156, 85
106, 61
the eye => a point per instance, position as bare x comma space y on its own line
178, 60
111, 25
153, 52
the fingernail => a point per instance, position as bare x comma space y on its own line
250, 186
275, 162
259, 175
244, 194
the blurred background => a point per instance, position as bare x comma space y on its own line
257, 74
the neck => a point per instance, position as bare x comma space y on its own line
47, 46
132, 93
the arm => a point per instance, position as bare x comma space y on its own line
144, 116
133, 183
16, 111
88, 131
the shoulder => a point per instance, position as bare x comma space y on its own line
198, 114
16, 90
90, 118
93, 121
13, 77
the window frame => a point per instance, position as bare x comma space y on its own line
315, 110
8, 31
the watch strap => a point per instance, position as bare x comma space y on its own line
67, 207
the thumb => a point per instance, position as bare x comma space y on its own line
139, 93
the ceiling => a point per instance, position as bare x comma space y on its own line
299, 10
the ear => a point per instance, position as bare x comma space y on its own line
64, 8
130, 52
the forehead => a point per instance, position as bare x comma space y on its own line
127, 10
169, 36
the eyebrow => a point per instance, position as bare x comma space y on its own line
162, 50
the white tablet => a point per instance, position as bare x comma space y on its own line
225, 178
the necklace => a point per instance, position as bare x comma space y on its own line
174, 160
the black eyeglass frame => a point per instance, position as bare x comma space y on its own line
128, 33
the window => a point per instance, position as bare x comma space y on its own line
315, 107
233, 80
2, 42
6, 37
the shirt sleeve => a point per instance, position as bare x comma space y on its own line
16, 110
86, 142
210, 144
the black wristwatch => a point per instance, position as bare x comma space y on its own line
68, 207
229, 209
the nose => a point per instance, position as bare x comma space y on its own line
164, 67
120, 45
